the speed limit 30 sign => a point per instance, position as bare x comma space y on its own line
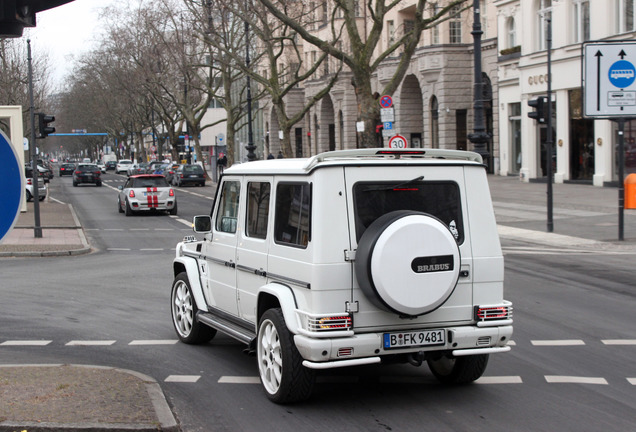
398, 142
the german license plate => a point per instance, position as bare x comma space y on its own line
193, 176
414, 339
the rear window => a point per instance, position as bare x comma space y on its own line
149, 182
87, 167
194, 169
440, 199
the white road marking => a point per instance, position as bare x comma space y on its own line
154, 342
26, 343
183, 378
556, 379
151, 249
632, 381
239, 380
564, 342
500, 380
90, 343
185, 222
619, 341
118, 249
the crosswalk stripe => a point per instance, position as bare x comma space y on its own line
239, 380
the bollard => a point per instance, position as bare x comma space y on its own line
630, 191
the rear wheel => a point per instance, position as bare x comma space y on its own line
128, 209
29, 197
173, 211
458, 370
282, 374
119, 209
184, 313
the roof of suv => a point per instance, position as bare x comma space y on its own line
377, 156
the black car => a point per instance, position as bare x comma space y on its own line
111, 165
67, 169
189, 174
87, 173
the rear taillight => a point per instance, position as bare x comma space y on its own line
131, 194
171, 193
29, 181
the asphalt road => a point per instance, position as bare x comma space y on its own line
571, 367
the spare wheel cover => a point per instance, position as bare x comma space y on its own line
408, 262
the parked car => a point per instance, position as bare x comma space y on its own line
137, 168
67, 169
122, 166
189, 174
111, 165
28, 174
152, 166
161, 169
146, 192
87, 173
170, 171
101, 166
348, 258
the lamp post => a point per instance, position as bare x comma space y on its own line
250, 147
479, 137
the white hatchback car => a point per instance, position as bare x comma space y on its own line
122, 166
348, 258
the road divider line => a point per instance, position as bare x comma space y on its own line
154, 342
619, 341
514, 379
90, 342
557, 379
563, 342
183, 378
26, 343
632, 381
239, 380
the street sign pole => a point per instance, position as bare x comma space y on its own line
548, 138
37, 229
621, 173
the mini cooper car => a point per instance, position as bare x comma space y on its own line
146, 192
351, 257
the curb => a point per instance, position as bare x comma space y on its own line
166, 421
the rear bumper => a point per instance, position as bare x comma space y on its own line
325, 353
160, 206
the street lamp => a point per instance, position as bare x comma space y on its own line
250, 147
479, 137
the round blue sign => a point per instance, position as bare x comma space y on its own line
622, 74
10, 184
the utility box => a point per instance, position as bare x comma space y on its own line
630, 191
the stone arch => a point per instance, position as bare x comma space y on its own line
326, 129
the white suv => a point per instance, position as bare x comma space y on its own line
348, 258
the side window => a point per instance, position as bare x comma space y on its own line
293, 214
227, 212
257, 209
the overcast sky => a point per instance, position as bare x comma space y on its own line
66, 31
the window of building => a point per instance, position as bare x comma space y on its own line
258, 194
514, 126
390, 32
581, 20
227, 213
434, 30
544, 13
455, 26
625, 15
293, 214
511, 32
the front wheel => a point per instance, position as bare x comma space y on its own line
458, 370
282, 374
184, 313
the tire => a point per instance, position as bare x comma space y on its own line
119, 209
184, 313
29, 197
406, 252
75, 184
284, 378
42, 198
173, 211
98, 184
128, 209
458, 370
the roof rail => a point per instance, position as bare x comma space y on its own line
393, 154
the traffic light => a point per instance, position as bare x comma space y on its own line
43, 125
539, 114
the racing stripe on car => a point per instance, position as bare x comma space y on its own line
152, 198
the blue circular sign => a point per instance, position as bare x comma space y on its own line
10, 184
622, 74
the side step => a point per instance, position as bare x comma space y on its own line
230, 328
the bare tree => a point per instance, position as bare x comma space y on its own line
360, 48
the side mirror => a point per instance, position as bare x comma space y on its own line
202, 224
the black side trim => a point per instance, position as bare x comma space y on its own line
239, 329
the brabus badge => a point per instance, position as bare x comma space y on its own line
433, 264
